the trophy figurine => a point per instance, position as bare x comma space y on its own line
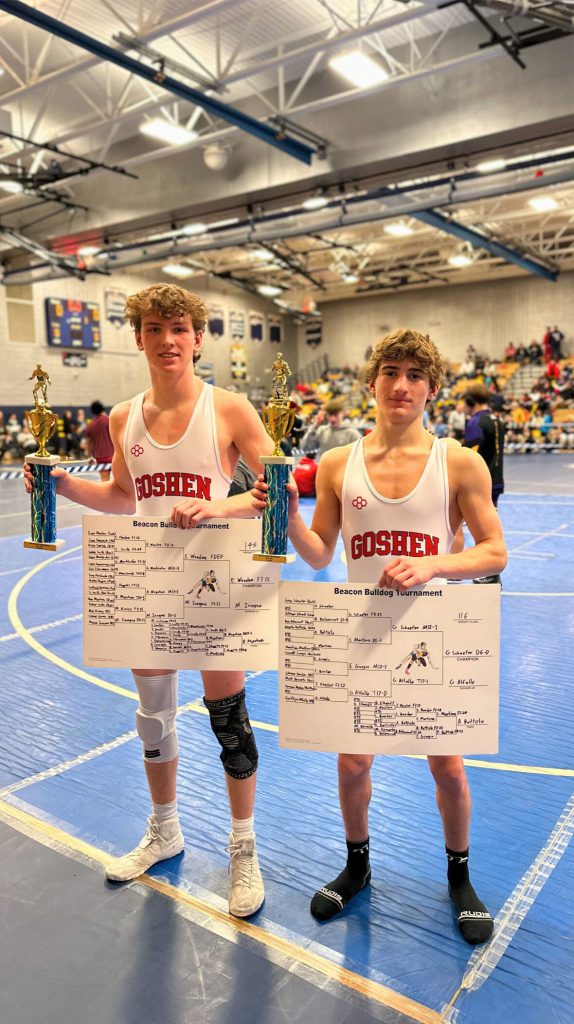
278, 418
42, 423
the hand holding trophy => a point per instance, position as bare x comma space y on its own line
42, 423
278, 418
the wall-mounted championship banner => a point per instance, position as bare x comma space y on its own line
216, 323
115, 303
274, 324
237, 324
238, 356
73, 324
314, 331
256, 325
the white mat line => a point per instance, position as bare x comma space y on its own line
521, 900
39, 629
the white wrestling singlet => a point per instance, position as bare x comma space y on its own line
163, 474
376, 529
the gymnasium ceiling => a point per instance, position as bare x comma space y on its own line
394, 171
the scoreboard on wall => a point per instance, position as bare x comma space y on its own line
73, 324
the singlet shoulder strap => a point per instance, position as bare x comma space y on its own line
351, 461
135, 411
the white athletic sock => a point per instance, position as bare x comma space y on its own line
241, 827
162, 812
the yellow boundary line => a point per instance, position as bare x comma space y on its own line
44, 652
41, 831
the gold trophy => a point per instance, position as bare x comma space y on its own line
42, 423
278, 418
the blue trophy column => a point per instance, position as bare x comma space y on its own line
275, 517
43, 505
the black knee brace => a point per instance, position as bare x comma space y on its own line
231, 726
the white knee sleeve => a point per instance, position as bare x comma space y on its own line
155, 716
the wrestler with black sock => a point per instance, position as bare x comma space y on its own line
399, 496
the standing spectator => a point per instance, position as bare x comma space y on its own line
3, 436
99, 445
328, 430
456, 422
546, 345
485, 435
78, 438
556, 339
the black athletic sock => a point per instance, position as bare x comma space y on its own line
473, 919
334, 896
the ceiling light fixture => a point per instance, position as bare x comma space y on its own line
488, 166
359, 69
165, 131
196, 228
350, 278
88, 250
179, 270
269, 290
315, 202
398, 228
460, 259
11, 186
543, 204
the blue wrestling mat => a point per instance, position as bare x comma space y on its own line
71, 776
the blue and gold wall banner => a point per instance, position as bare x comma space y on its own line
216, 323
71, 323
237, 324
274, 328
114, 305
256, 325
238, 356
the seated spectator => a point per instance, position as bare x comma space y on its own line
456, 422
552, 370
510, 352
535, 352
521, 354
304, 475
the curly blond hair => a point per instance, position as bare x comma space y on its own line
166, 300
405, 343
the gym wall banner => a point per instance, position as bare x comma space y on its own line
216, 323
238, 356
314, 331
73, 324
274, 324
237, 324
114, 305
256, 322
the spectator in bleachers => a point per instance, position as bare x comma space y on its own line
521, 355
556, 339
510, 352
3, 436
456, 422
546, 345
535, 352
328, 431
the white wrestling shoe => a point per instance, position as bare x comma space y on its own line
161, 841
246, 892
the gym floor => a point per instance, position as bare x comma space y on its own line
163, 948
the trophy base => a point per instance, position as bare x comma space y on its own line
55, 546
42, 460
261, 557
276, 460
